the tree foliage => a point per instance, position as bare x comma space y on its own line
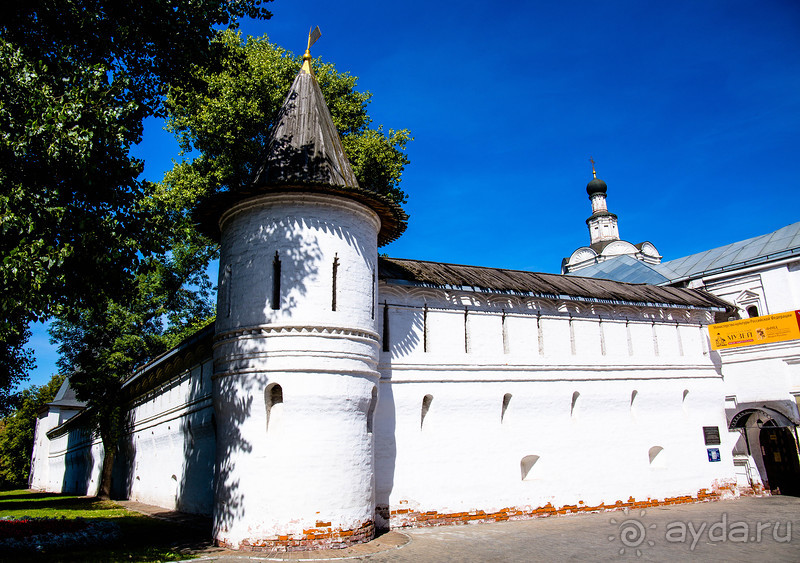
225, 114
17, 433
100, 346
77, 77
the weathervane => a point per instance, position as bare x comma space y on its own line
313, 35
594, 174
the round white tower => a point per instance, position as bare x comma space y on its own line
296, 345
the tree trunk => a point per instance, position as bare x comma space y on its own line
108, 468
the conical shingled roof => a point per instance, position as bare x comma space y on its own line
304, 146
304, 154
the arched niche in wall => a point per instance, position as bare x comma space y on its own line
426, 405
273, 399
373, 404
573, 407
657, 456
526, 466
504, 407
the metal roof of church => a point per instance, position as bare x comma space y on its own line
553, 286
783, 243
623, 268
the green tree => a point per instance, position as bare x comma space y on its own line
225, 114
168, 300
77, 77
17, 433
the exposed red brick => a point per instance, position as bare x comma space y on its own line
411, 518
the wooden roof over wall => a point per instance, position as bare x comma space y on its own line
553, 286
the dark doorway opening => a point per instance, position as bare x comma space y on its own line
779, 450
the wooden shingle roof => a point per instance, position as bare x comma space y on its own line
551, 286
304, 154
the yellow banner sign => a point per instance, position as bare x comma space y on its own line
755, 330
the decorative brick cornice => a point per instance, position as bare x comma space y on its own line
294, 330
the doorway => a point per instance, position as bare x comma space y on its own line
779, 451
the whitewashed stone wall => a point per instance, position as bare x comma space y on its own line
490, 402
166, 457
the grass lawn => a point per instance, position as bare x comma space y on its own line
142, 538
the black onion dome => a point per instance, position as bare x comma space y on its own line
596, 186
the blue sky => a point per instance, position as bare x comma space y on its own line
691, 110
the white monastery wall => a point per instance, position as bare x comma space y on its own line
75, 461
40, 459
166, 457
546, 405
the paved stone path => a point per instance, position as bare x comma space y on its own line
713, 531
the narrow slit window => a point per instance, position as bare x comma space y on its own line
276, 282
373, 403
374, 283
333, 283
385, 327
226, 290
425, 328
466, 330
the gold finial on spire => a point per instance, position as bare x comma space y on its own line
594, 173
313, 35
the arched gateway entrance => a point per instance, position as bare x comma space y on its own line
777, 443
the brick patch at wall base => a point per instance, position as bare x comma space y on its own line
404, 518
322, 536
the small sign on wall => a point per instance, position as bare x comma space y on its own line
711, 435
713, 454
